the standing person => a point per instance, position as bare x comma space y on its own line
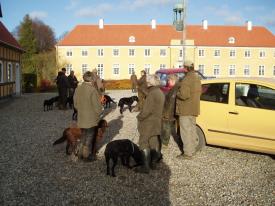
62, 85
134, 80
97, 81
72, 83
188, 108
169, 116
142, 91
149, 124
87, 103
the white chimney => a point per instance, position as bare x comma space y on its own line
204, 24
101, 23
249, 25
154, 24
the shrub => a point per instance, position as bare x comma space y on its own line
46, 86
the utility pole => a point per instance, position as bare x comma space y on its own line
184, 32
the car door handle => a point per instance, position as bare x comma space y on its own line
236, 113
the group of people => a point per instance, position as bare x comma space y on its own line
159, 115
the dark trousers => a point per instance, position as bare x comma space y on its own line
62, 97
89, 141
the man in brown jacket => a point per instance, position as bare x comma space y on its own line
142, 91
134, 80
87, 103
149, 122
188, 108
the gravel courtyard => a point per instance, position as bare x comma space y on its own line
33, 172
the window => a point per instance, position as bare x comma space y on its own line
132, 39
162, 66
216, 92
84, 68
261, 70
262, 54
69, 68
147, 52
201, 52
115, 52
1, 72
231, 40
9, 72
69, 53
217, 53
252, 95
201, 68
147, 68
246, 70
232, 53
84, 53
162, 52
131, 52
216, 71
232, 70
131, 68
116, 69
100, 69
247, 53
181, 53
100, 52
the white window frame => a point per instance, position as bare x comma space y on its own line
84, 53
1, 72
131, 52
84, 68
216, 67
163, 52
116, 67
131, 68
147, 52
69, 53
232, 70
100, 52
147, 68
201, 68
69, 68
247, 53
217, 53
232, 53
162, 66
100, 70
231, 40
246, 68
132, 39
261, 70
262, 54
181, 53
201, 53
9, 72
116, 52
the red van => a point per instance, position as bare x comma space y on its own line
163, 74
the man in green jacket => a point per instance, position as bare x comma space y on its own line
188, 108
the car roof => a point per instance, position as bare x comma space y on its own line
269, 81
171, 71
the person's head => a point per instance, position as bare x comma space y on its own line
94, 70
142, 72
152, 80
189, 65
63, 70
172, 79
72, 73
88, 76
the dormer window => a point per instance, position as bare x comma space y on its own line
231, 40
132, 39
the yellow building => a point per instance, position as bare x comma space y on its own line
118, 50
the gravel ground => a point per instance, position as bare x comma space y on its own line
33, 172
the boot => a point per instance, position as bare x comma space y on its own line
145, 168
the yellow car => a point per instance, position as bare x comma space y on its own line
238, 113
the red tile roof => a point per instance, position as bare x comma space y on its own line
118, 35
7, 38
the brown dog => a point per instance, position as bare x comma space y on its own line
73, 134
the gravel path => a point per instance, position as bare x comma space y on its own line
33, 172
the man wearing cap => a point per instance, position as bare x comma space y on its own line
188, 108
62, 85
142, 91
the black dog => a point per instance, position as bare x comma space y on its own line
48, 103
108, 100
124, 149
127, 101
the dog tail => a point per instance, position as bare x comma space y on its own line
60, 140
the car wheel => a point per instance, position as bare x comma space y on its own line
201, 140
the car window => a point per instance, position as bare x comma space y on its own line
163, 79
252, 95
215, 92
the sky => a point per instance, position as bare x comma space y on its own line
63, 15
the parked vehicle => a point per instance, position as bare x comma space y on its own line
238, 113
163, 74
